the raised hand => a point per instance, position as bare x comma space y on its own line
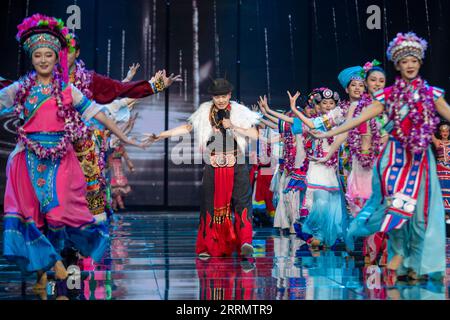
293, 99
132, 71
168, 81
264, 102
261, 107
255, 108
157, 76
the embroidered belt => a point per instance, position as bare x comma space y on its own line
222, 160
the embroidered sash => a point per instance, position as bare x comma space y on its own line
401, 181
43, 172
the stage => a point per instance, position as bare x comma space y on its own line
152, 257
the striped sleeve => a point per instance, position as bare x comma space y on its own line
380, 96
83, 105
437, 93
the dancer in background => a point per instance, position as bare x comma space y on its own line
365, 143
262, 172
326, 220
292, 184
407, 200
119, 181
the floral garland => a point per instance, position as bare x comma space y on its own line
74, 128
289, 150
354, 137
332, 162
344, 105
309, 150
424, 123
82, 79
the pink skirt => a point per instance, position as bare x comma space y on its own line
359, 187
20, 195
33, 239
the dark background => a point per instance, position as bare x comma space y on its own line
308, 43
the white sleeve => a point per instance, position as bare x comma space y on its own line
118, 110
83, 105
7, 98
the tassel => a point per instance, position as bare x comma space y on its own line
63, 61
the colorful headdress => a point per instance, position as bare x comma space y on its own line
350, 74
408, 44
72, 41
310, 102
325, 93
375, 65
39, 31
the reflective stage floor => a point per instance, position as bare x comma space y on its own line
152, 257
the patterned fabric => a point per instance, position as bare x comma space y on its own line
402, 183
226, 211
443, 171
88, 157
43, 172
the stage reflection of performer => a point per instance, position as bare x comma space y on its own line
374, 285
220, 127
225, 279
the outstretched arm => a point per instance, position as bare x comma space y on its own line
293, 103
371, 112
175, 132
270, 124
108, 123
131, 72
265, 106
270, 117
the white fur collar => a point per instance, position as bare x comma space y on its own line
240, 116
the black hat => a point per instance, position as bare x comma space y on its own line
220, 87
